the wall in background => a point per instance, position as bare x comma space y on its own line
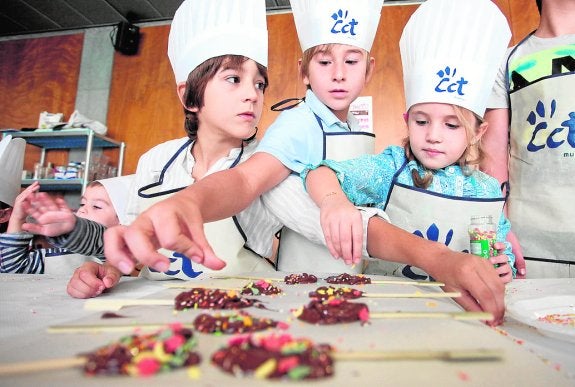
43, 73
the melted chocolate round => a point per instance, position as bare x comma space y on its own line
211, 299
348, 279
240, 323
303, 278
261, 287
144, 355
335, 311
326, 292
276, 357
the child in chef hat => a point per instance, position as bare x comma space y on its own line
451, 51
76, 236
11, 162
219, 52
335, 37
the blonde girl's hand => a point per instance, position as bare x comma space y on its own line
18, 217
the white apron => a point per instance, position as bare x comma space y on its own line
297, 253
225, 237
433, 216
542, 160
59, 264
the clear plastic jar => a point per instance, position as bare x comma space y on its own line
482, 236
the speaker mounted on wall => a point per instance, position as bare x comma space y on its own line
127, 38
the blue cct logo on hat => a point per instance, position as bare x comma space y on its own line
449, 83
342, 25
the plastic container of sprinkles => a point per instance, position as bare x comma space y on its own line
482, 236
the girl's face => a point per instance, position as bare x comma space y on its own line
437, 137
95, 205
338, 76
233, 102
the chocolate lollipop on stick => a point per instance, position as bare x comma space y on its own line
343, 278
284, 357
137, 355
337, 311
325, 292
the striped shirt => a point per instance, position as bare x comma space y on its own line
17, 255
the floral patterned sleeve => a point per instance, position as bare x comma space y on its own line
367, 179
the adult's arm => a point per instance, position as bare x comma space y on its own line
496, 144
496, 163
177, 222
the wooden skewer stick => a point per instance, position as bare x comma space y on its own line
130, 327
191, 285
390, 282
447, 315
101, 304
410, 282
448, 355
41, 365
117, 304
412, 295
247, 277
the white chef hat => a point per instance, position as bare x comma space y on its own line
204, 29
118, 189
351, 22
11, 162
451, 51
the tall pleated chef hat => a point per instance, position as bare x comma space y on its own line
204, 29
118, 189
11, 163
351, 22
451, 51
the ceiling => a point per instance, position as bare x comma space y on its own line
22, 17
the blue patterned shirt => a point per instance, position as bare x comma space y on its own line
366, 180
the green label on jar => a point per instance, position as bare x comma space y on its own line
481, 248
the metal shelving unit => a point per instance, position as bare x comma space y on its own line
68, 139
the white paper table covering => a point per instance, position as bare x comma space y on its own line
31, 303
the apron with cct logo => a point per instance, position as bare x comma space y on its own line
542, 156
225, 236
433, 216
297, 253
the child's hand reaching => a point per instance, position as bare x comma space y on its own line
18, 217
503, 269
342, 227
53, 216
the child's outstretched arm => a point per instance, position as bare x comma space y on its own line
340, 220
53, 216
18, 217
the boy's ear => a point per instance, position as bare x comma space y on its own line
5, 214
370, 70
181, 90
303, 76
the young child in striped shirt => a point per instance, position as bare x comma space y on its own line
74, 237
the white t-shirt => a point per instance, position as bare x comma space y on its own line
499, 98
